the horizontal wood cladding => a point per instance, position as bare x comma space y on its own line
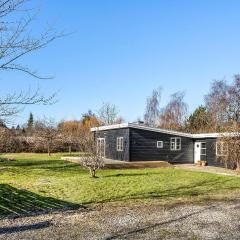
210, 157
143, 147
111, 143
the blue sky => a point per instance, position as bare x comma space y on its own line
119, 50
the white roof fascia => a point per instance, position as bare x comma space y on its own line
108, 127
215, 135
137, 126
160, 130
206, 135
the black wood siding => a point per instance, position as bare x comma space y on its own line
143, 147
210, 157
111, 143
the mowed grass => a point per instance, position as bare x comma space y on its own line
36, 182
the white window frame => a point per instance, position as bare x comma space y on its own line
159, 144
101, 143
222, 145
119, 144
173, 144
203, 148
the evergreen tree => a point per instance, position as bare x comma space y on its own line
2, 124
199, 121
30, 121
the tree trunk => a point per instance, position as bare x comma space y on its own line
93, 172
48, 149
238, 166
70, 150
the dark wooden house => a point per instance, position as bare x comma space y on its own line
136, 142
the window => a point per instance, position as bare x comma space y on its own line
175, 144
221, 149
203, 148
159, 144
119, 144
101, 146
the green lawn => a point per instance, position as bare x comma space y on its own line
36, 182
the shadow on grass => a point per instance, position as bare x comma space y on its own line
130, 174
16, 202
52, 165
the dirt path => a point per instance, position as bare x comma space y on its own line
209, 221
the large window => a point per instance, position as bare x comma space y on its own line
221, 149
175, 144
119, 144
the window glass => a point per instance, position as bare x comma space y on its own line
203, 145
203, 149
119, 143
159, 144
178, 143
175, 144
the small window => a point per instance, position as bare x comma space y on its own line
159, 144
221, 149
175, 144
119, 144
203, 148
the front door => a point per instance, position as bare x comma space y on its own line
101, 146
197, 152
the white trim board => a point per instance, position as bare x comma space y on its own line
176, 133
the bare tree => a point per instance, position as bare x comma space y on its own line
13, 103
173, 115
234, 100
17, 41
228, 147
223, 103
70, 133
216, 102
152, 111
7, 140
92, 159
46, 133
108, 114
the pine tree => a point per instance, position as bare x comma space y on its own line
30, 124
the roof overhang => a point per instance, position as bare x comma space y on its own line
138, 126
181, 134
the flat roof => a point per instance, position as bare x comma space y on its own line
160, 130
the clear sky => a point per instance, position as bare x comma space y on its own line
121, 49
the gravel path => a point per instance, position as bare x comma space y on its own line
219, 220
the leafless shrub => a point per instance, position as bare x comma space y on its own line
228, 148
92, 159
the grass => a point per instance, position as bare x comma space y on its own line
36, 182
